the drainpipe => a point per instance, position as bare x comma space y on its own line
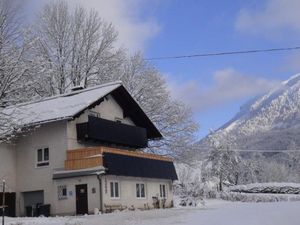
100, 189
3, 201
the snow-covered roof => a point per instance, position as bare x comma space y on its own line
59, 107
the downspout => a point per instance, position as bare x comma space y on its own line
100, 192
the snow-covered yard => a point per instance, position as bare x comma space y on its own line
214, 213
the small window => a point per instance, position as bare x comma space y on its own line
94, 114
62, 192
118, 120
162, 191
43, 157
140, 190
114, 190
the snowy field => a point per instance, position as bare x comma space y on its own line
214, 213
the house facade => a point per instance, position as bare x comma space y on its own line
82, 151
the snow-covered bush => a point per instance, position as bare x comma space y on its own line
17, 223
268, 188
263, 192
247, 197
74, 223
191, 188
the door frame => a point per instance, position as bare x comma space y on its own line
82, 206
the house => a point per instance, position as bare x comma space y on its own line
81, 151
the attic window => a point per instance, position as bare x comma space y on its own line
118, 120
94, 114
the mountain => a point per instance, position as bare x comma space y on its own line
270, 122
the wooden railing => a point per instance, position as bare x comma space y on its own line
77, 164
83, 153
136, 154
92, 157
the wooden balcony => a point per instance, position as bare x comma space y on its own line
93, 157
77, 164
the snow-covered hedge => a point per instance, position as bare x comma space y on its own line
247, 197
267, 188
263, 192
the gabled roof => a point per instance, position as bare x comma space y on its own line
71, 105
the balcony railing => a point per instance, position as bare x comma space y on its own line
111, 132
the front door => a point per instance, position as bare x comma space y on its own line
81, 199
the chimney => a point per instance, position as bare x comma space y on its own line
77, 88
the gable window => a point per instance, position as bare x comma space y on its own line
62, 192
140, 190
162, 191
118, 120
114, 189
94, 114
42, 157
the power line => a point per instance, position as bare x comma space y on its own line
257, 150
224, 53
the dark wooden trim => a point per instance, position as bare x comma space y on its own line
123, 165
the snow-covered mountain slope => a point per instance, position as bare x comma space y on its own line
269, 122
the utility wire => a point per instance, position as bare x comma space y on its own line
255, 150
224, 53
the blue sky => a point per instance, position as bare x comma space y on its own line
214, 87
189, 27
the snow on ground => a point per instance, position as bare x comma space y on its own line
215, 212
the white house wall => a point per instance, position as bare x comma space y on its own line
8, 166
32, 178
108, 109
128, 191
68, 206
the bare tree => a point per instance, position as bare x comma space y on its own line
149, 88
14, 64
76, 47
14, 67
73, 46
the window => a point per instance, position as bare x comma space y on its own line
140, 190
118, 120
162, 191
114, 189
94, 114
42, 157
62, 192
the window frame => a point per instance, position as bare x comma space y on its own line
94, 114
114, 182
43, 162
163, 191
60, 192
140, 190
118, 120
